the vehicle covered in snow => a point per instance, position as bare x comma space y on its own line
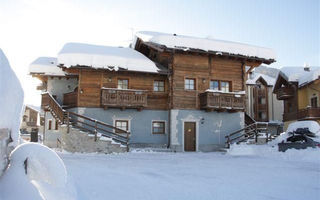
301, 135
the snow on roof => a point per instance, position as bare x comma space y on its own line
112, 58
269, 80
35, 108
218, 46
46, 66
298, 74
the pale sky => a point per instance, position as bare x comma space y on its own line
34, 28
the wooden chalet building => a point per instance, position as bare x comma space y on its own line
299, 88
172, 91
262, 103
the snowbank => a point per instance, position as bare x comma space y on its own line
35, 172
271, 151
112, 58
205, 44
46, 66
11, 99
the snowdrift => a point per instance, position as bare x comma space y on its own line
11, 103
35, 172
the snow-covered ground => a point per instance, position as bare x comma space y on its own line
243, 173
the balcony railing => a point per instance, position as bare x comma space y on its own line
70, 99
303, 114
309, 113
111, 97
285, 93
31, 123
218, 101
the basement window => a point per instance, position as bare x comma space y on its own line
314, 102
158, 127
49, 124
121, 124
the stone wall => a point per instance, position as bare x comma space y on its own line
4, 149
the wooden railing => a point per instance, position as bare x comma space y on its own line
309, 113
284, 93
92, 126
217, 100
70, 99
248, 132
111, 97
48, 103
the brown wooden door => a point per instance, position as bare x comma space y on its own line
190, 136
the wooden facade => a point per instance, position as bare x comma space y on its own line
99, 88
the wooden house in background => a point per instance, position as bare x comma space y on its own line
173, 91
299, 88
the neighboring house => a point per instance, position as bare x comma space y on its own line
299, 88
262, 104
172, 91
32, 120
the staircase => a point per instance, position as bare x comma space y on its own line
84, 134
251, 131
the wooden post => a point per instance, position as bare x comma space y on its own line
228, 142
256, 132
128, 137
68, 123
95, 130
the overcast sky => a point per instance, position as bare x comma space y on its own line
34, 28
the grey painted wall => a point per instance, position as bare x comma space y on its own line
140, 123
211, 128
60, 85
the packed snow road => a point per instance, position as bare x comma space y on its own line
195, 175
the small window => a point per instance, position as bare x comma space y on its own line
224, 86
158, 86
189, 84
158, 127
123, 84
121, 124
49, 124
57, 125
214, 85
314, 102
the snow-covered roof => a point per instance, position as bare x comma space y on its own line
46, 66
219, 46
268, 79
112, 58
298, 74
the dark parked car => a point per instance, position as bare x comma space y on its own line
301, 138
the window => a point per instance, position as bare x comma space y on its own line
56, 127
158, 86
214, 85
314, 102
25, 118
189, 84
220, 85
158, 127
123, 84
224, 86
49, 124
121, 124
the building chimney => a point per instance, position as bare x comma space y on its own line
306, 67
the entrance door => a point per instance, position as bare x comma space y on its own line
190, 136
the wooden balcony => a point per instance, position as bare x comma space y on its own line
119, 98
70, 99
284, 93
222, 101
303, 114
309, 113
31, 123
